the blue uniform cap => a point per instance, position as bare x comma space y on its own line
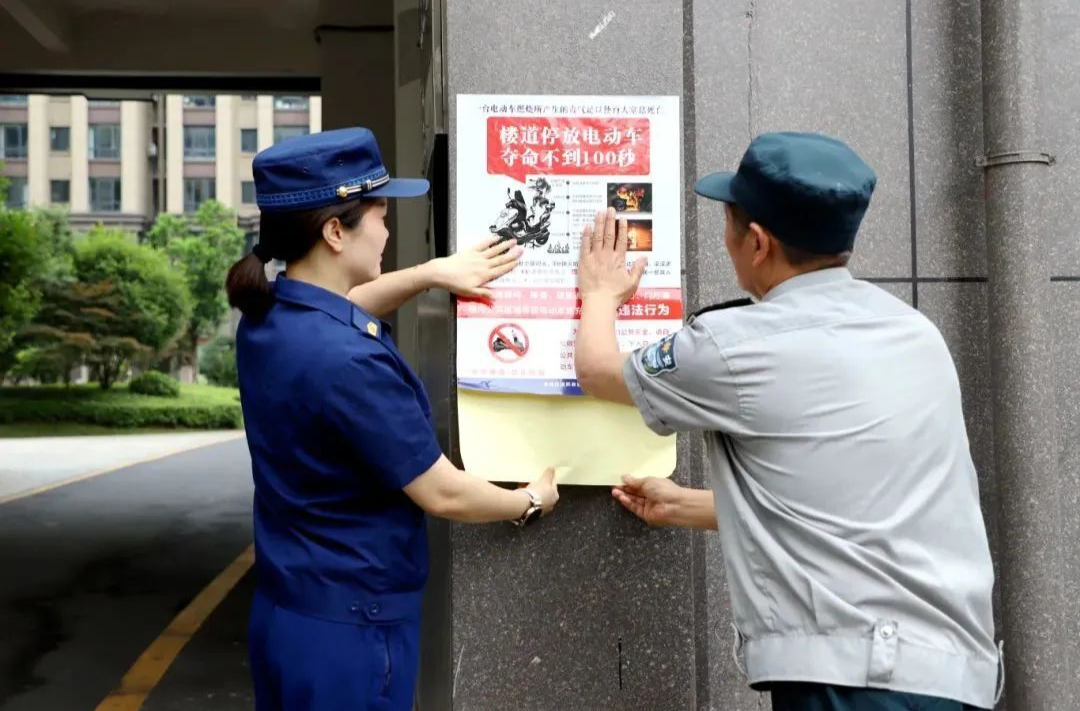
326, 168
810, 191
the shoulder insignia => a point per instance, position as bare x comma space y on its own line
660, 356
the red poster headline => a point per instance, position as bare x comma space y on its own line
555, 303
518, 146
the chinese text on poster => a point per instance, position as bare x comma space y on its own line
535, 169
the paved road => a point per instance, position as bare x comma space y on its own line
32, 462
211, 674
92, 572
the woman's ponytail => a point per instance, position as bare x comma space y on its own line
247, 286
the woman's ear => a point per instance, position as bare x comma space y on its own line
333, 234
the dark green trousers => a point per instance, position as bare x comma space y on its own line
823, 697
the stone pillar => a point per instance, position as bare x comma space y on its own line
1061, 102
590, 609
358, 89
358, 83
1026, 441
412, 216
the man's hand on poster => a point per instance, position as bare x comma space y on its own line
602, 269
605, 284
467, 272
662, 502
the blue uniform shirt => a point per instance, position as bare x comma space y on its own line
337, 425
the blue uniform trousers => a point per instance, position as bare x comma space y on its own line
301, 663
826, 697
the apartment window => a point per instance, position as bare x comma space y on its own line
60, 139
18, 193
105, 194
200, 102
249, 140
13, 99
197, 191
290, 103
282, 133
13, 140
104, 141
247, 192
200, 142
60, 192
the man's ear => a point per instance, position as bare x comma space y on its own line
333, 235
762, 243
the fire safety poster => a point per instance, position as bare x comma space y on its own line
535, 169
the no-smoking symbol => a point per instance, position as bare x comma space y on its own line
508, 343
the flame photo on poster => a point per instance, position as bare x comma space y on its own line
630, 197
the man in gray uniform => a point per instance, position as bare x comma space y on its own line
842, 483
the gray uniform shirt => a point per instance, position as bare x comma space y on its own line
846, 497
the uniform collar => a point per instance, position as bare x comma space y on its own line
310, 296
815, 278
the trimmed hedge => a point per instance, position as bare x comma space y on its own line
154, 383
198, 407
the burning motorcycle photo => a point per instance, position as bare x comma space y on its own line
528, 225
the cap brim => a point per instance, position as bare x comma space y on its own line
716, 186
401, 188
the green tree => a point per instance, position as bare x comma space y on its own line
23, 266
56, 235
52, 231
167, 228
156, 302
204, 247
147, 302
78, 323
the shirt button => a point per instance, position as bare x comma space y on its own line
355, 607
374, 609
887, 631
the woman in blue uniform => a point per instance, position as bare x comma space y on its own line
344, 456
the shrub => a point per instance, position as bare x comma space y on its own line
154, 383
198, 407
218, 362
45, 365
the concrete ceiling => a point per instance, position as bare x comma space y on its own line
267, 38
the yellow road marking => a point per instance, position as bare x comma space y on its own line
152, 664
116, 467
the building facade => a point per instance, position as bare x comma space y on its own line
122, 162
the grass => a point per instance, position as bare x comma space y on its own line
191, 392
73, 409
